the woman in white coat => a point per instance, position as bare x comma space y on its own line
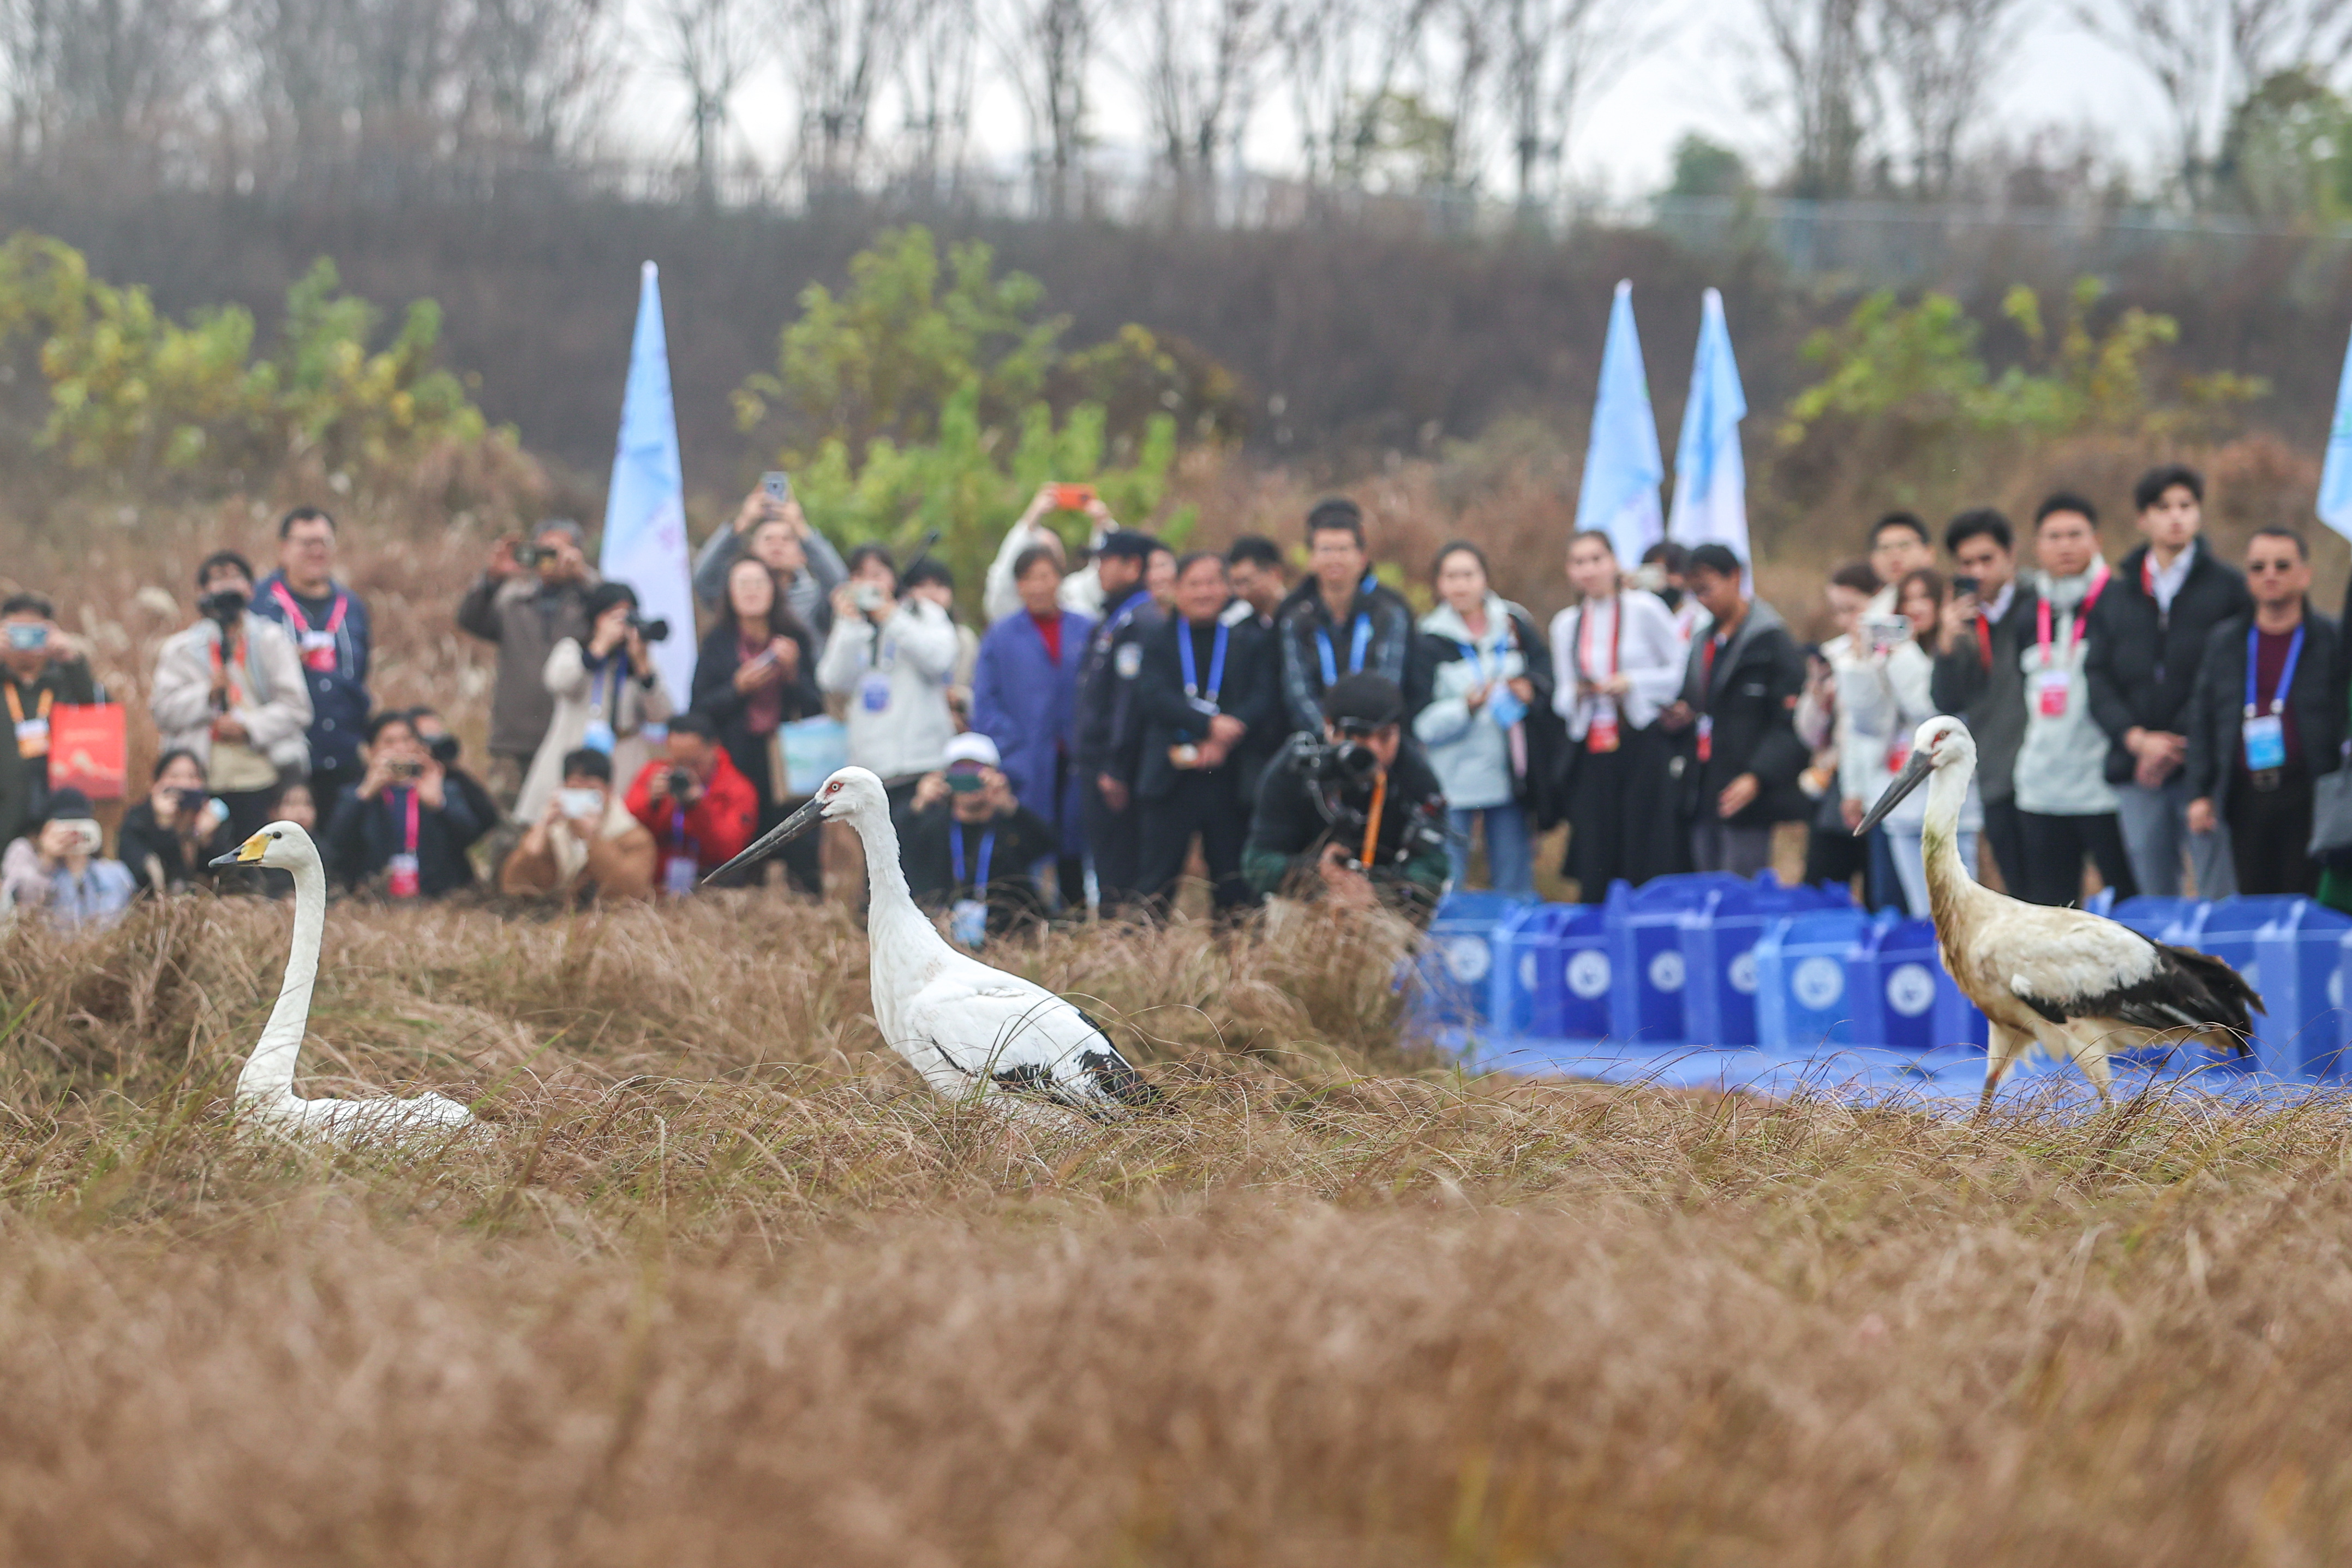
1619, 663
606, 691
1883, 693
229, 690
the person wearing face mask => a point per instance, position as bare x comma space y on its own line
39, 671
62, 870
1661, 572
777, 535
231, 690
531, 597
1617, 663
584, 845
606, 691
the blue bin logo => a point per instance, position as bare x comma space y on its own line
1910, 990
1467, 958
1742, 973
1819, 982
1666, 971
1588, 974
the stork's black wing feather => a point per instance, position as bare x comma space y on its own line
1113, 1073
2187, 990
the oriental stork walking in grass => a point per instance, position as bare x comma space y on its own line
969, 1031
2076, 984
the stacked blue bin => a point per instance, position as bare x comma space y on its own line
1646, 953
2227, 930
1718, 943
1453, 977
1903, 998
1803, 997
2299, 956
1551, 973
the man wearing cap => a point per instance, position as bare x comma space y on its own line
970, 849
1110, 730
526, 611
1357, 819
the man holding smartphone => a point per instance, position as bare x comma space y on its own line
770, 527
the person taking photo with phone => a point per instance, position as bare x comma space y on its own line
62, 870
402, 830
1082, 590
770, 528
40, 672
167, 838
230, 689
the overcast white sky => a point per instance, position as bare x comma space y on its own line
1704, 77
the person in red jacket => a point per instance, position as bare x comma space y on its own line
697, 803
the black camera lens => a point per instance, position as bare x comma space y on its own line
190, 799
681, 782
654, 630
224, 605
443, 749
530, 554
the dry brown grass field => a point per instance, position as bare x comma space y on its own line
721, 1283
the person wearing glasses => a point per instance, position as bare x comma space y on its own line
2265, 719
1356, 818
335, 638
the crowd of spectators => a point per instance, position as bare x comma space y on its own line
2163, 722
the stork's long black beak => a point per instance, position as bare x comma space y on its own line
775, 838
1914, 773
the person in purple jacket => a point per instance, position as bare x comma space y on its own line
1025, 697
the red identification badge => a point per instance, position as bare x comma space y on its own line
2051, 691
1601, 734
401, 878
1707, 737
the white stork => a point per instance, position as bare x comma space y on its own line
2077, 984
969, 1030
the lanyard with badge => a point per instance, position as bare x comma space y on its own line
1205, 700
33, 730
2266, 732
1359, 641
2053, 682
682, 864
968, 916
1706, 690
403, 877
318, 646
1601, 731
599, 735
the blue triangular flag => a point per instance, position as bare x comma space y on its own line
2336, 476
1622, 467
1710, 474
645, 512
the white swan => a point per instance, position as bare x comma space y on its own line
969, 1030
265, 1089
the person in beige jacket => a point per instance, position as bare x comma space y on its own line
229, 690
584, 844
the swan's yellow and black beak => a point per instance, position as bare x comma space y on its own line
1914, 773
245, 853
775, 838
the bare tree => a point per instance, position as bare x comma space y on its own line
1938, 56
1047, 47
1818, 47
710, 46
1197, 63
936, 70
1557, 55
1344, 59
535, 68
839, 52
100, 82
373, 89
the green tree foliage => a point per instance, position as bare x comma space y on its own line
2286, 156
928, 397
1913, 381
134, 394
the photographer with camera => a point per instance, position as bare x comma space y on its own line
698, 805
167, 838
1354, 817
894, 658
770, 529
584, 844
230, 689
972, 850
606, 691
331, 629
532, 597
403, 822
39, 670
62, 870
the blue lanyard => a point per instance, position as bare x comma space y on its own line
2286, 670
1192, 667
1127, 606
1358, 643
955, 854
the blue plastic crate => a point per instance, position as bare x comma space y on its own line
1551, 973
1452, 976
1718, 943
2299, 957
1802, 996
1646, 953
1903, 998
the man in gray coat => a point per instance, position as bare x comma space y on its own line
528, 601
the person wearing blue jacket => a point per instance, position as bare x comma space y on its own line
1025, 698
329, 623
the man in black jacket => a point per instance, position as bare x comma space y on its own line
1211, 716
1109, 730
1739, 698
1340, 622
973, 850
2145, 635
402, 828
2264, 719
1978, 676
